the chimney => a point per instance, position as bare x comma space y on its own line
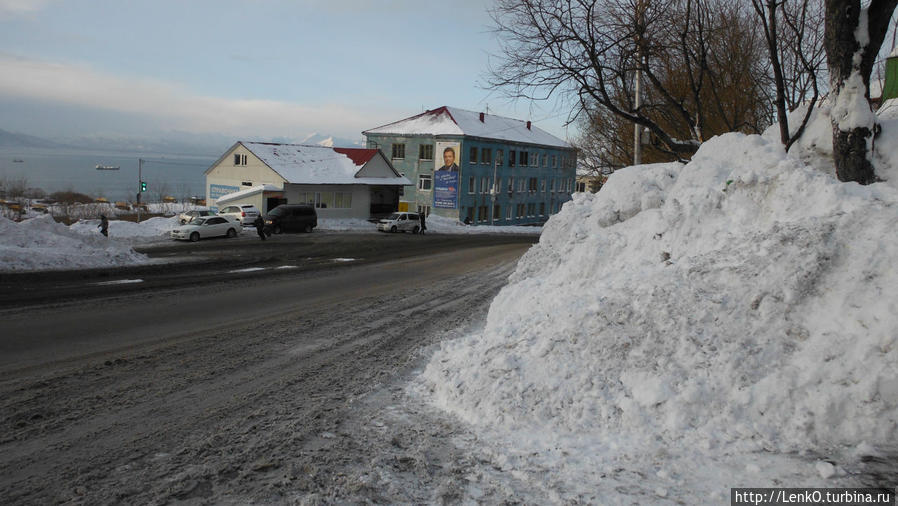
528, 125
481, 117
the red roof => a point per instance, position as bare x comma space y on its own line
359, 156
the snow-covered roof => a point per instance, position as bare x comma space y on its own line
307, 164
454, 121
247, 192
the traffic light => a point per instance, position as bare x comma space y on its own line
143, 186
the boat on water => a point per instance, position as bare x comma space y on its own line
107, 167
18, 160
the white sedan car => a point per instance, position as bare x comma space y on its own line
206, 226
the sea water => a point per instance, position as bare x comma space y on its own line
179, 176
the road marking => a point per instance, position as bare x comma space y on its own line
343, 259
119, 282
249, 269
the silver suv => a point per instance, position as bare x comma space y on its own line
400, 222
245, 214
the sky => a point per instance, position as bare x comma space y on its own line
251, 69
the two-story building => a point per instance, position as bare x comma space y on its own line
477, 167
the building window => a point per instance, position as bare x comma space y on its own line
498, 184
425, 182
545, 160
473, 155
239, 159
324, 200
497, 212
542, 186
425, 152
510, 183
500, 157
521, 185
532, 184
511, 154
553, 185
534, 160
342, 200
484, 185
581, 187
486, 156
246, 183
554, 163
398, 151
471, 185
523, 158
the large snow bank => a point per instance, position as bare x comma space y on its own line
148, 230
42, 244
740, 303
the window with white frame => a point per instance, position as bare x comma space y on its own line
425, 182
511, 155
472, 182
425, 152
500, 157
523, 159
545, 160
398, 151
484, 185
554, 162
473, 155
508, 213
510, 184
542, 186
239, 159
486, 156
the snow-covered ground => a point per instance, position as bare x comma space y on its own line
37, 243
730, 322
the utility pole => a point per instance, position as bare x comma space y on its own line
139, 185
494, 190
637, 129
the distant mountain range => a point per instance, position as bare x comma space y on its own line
171, 142
14, 140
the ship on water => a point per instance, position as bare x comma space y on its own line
107, 167
18, 160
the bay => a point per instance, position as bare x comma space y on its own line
177, 175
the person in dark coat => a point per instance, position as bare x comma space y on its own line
260, 227
423, 226
104, 225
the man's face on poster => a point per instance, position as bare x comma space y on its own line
448, 157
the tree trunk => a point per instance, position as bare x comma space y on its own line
850, 64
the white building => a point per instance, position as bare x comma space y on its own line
339, 182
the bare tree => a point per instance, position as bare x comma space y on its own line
793, 32
692, 56
853, 36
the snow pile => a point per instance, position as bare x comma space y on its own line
443, 225
151, 229
42, 244
740, 303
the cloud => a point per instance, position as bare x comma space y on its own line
175, 105
16, 7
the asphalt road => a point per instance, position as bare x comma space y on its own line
196, 287
274, 386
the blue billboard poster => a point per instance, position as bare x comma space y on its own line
446, 175
445, 189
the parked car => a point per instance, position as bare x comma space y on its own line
206, 226
185, 217
245, 214
400, 222
291, 218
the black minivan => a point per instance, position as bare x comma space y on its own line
291, 218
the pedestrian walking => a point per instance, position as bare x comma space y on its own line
423, 226
104, 225
259, 223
